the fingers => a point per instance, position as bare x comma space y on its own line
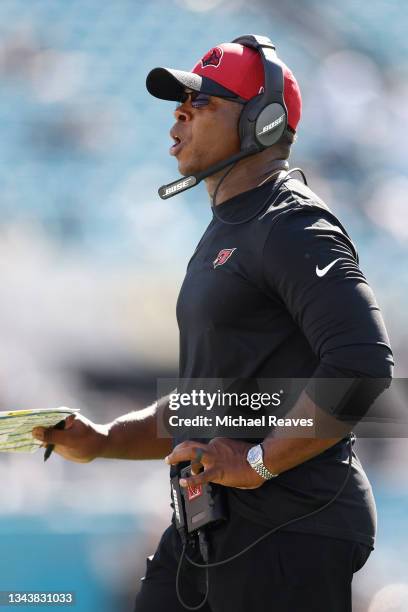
208, 475
188, 451
196, 467
49, 435
199, 455
196, 463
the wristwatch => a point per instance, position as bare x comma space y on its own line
255, 460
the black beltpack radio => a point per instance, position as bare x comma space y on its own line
197, 506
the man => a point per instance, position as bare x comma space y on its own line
273, 290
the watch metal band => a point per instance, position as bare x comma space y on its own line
255, 459
263, 471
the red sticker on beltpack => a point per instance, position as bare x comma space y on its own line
194, 491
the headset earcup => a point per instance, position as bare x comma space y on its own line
246, 126
270, 124
259, 129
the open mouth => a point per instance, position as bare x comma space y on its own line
175, 148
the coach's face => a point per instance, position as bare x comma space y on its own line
205, 135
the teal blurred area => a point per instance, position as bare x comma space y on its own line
73, 553
99, 558
91, 259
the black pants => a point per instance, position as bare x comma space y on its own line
286, 572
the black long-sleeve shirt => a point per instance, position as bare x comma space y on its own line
282, 296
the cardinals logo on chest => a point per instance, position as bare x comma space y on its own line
222, 257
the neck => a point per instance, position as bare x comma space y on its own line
245, 175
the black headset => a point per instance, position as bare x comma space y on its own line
262, 122
264, 118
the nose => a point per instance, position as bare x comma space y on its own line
182, 113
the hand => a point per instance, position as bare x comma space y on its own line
81, 440
224, 462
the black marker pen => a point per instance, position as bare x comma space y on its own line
50, 447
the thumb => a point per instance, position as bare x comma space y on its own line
69, 421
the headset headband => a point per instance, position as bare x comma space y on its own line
273, 90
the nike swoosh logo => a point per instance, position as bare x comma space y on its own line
323, 271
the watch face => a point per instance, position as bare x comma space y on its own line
255, 454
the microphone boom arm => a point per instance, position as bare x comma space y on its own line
186, 182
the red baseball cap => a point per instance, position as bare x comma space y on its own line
229, 70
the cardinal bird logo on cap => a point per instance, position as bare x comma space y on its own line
212, 58
222, 257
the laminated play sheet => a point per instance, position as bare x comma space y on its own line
16, 426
